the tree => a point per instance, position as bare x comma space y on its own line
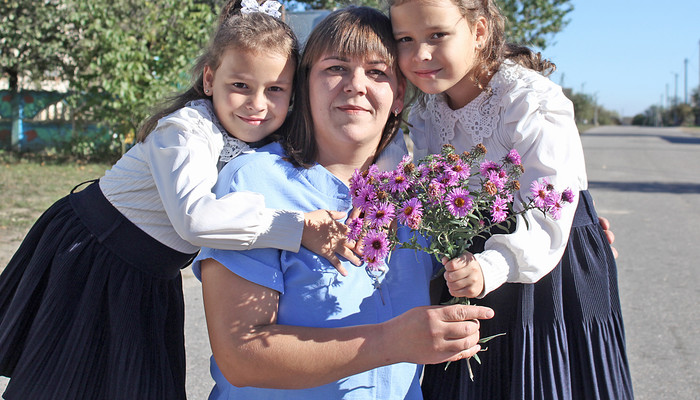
528, 22
35, 41
132, 54
534, 22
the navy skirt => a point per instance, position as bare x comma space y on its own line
91, 307
564, 334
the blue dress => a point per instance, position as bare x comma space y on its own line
312, 292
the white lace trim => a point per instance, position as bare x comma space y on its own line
481, 116
232, 146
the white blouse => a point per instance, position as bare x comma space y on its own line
521, 110
163, 185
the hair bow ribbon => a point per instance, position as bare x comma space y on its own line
270, 7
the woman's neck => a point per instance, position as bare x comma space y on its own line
343, 164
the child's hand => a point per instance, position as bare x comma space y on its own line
464, 276
325, 236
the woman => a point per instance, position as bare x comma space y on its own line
287, 325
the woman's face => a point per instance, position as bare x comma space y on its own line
351, 99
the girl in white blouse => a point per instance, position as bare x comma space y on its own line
552, 283
91, 305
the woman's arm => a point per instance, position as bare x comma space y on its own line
250, 349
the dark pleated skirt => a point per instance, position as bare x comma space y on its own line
564, 334
91, 307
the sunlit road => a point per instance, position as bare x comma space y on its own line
647, 182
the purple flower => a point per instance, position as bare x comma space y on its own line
364, 198
513, 157
436, 189
411, 213
374, 263
357, 181
539, 192
398, 182
553, 204
380, 214
567, 195
375, 245
460, 170
487, 166
448, 178
354, 228
499, 210
459, 203
498, 177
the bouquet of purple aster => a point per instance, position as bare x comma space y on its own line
449, 198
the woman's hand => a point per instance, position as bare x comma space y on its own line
464, 276
327, 237
435, 334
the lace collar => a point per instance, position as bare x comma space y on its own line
480, 117
232, 146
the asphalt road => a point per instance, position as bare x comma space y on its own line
646, 181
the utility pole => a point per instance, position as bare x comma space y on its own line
675, 90
685, 81
667, 99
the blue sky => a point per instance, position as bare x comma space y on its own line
626, 52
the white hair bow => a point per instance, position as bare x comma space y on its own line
270, 7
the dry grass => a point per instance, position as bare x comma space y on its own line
30, 187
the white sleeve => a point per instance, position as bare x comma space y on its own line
546, 136
183, 165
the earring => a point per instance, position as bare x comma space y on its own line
396, 112
478, 46
206, 91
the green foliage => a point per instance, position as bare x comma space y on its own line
529, 22
132, 54
35, 39
534, 22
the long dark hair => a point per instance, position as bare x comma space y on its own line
351, 32
254, 32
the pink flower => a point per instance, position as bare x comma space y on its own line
513, 157
459, 203
499, 210
567, 195
487, 166
553, 204
460, 170
539, 192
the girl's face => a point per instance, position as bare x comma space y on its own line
437, 47
251, 92
351, 99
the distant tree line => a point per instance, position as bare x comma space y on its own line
675, 114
